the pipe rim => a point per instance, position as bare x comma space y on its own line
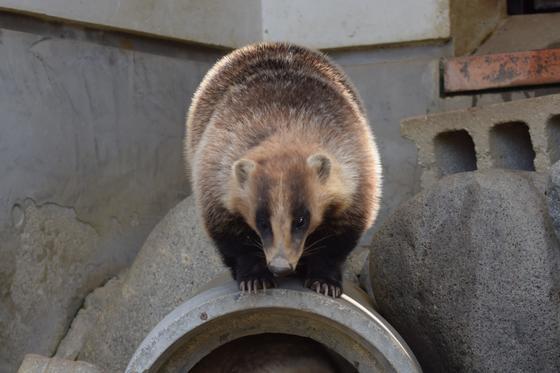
377, 336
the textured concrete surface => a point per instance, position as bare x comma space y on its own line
234, 23
523, 33
175, 261
553, 197
91, 158
52, 273
513, 135
468, 272
354, 22
347, 325
40, 364
86, 319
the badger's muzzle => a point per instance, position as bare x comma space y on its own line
280, 266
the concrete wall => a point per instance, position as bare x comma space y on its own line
90, 156
233, 23
335, 24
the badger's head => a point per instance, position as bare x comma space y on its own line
283, 196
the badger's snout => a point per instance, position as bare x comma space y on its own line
280, 266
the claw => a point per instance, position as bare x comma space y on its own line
255, 286
317, 287
242, 286
324, 287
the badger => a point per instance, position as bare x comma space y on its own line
284, 166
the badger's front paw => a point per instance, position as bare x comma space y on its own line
251, 284
330, 288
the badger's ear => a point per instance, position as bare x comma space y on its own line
242, 169
321, 164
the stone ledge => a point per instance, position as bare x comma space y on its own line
234, 23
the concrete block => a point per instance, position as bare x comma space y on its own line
39, 364
522, 135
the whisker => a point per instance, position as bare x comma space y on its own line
311, 252
318, 241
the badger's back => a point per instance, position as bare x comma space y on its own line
270, 92
241, 65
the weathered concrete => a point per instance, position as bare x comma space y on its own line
234, 23
511, 135
39, 364
553, 197
354, 22
468, 272
91, 158
86, 320
348, 326
52, 274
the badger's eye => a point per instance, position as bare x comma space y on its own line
300, 222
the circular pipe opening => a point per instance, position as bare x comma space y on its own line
221, 315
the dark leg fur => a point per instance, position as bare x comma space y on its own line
322, 270
238, 246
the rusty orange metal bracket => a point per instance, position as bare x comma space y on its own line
502, 70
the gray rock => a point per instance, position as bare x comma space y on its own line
176, 260
39, 364
468, 272
86, 319
553, 197
52, 274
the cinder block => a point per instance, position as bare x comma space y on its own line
523, 135
40, 364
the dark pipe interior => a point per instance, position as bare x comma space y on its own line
273, 353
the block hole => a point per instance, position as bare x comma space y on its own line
553, 132
455, 152
511, 146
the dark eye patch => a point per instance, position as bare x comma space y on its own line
262, 221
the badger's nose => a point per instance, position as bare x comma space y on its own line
280, 266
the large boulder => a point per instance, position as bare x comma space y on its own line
468, 272
553, 197
176, 260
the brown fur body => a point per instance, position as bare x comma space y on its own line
280, 126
